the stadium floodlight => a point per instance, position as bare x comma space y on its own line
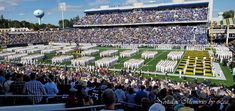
62, 8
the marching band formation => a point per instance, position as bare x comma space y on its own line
89, 52
48, 51
31, 59
106, 62
223, 53
61, 59
166, 66
175, 55
149, 54
128, 53
164, 47
201, 47
110, 56
3, 55
64, 51
15, 56
108, 53
83, 61
134, 63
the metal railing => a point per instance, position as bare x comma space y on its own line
96, 106
14, 97
84, 107
32, 96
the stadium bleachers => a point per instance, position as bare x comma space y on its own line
91, 85
176, 34
145, 16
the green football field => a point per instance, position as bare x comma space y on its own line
150, 65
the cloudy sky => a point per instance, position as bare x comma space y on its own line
23, 9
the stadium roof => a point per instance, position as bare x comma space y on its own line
151, 6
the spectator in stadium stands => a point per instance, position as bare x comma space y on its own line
72, 100
18, 85
109, 99
80, 95
34, 88
2, 78
186, 109
1, 90
17, 89
7, 84
230, 107
145, 104
131, 99
122, 35
140, 94
153, 94
162, 91
157, 107
146, 16
51, 90
88, 101
120, 94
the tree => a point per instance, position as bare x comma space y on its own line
1, 17
67, 23
7, 23
228, 14
75, 19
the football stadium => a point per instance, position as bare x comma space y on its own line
141, 56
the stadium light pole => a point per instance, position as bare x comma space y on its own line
62, 8
194, 35
227, 35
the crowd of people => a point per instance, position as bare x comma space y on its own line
145, 16
2, 38
99, 86
122, 35
160, 34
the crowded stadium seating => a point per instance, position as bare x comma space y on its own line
174, 32
90, 84
87, 86
145, 16
177, 34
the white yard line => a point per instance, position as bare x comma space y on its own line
178, 63
176, 75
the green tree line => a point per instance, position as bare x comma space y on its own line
228, 14
7, 23
68, 23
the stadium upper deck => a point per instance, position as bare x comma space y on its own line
139, 14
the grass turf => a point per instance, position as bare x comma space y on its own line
150, 65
